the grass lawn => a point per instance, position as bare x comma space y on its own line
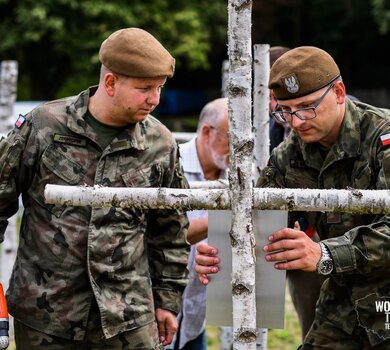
288, 338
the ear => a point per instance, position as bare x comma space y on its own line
340, 91
110, 83
205, 131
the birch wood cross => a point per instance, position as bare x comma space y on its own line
240, 197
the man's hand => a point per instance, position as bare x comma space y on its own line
167, 325
206, 262
292, 249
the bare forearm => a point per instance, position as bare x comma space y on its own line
197, 230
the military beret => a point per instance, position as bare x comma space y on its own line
302, 71
136, 53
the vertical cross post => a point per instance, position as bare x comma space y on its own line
239, 90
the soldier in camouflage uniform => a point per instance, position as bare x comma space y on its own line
97, 278
334, 143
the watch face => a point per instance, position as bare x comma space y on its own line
326, 266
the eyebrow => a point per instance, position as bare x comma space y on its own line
309, 102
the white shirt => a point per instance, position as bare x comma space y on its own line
193, 313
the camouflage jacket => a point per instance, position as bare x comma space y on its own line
132, 261
359, 243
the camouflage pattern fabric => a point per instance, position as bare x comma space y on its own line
142, 338
359, 243
130, 260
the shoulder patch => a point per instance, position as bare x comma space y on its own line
385, 139
20, 121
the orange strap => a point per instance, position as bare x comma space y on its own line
3, 304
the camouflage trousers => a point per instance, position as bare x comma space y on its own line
335, 325
143, 338
304, 288
319, 339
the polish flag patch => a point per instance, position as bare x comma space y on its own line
20, 121
385, 139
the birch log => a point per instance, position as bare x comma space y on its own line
261, 138
8, 79
224, 77
240, 174
261, 70
8, 88
209, 184
291, 199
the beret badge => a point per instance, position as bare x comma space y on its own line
291, 83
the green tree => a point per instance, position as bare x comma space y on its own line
381, 12
56, 42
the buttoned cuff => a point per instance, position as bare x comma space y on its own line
341, 251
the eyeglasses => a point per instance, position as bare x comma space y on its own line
306, 113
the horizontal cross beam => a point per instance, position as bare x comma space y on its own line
350, 200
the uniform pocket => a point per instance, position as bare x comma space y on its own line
56, 169
62, 166
150, 176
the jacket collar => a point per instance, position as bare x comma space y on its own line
131, 137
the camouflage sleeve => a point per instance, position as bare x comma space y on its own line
364, 249
272, 176
167, 246
11, 177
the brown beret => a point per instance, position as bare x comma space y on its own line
136, 53
301, 71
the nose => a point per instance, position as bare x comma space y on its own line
295, 121
154, 97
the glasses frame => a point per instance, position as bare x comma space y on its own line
279, 115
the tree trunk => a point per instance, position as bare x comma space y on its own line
261, 139
8, 88
8, 80
240, 174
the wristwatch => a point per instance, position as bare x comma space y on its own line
325, 264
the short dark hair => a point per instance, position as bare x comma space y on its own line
275, 52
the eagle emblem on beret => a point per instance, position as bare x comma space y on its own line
291, 84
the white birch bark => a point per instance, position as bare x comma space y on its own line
240, 175
8, 88
226, 338
224, 78
261, 70
291, 199
8, 79
209, 184
260, 134
225, 333
8, 85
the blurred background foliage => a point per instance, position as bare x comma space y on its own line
56, 42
